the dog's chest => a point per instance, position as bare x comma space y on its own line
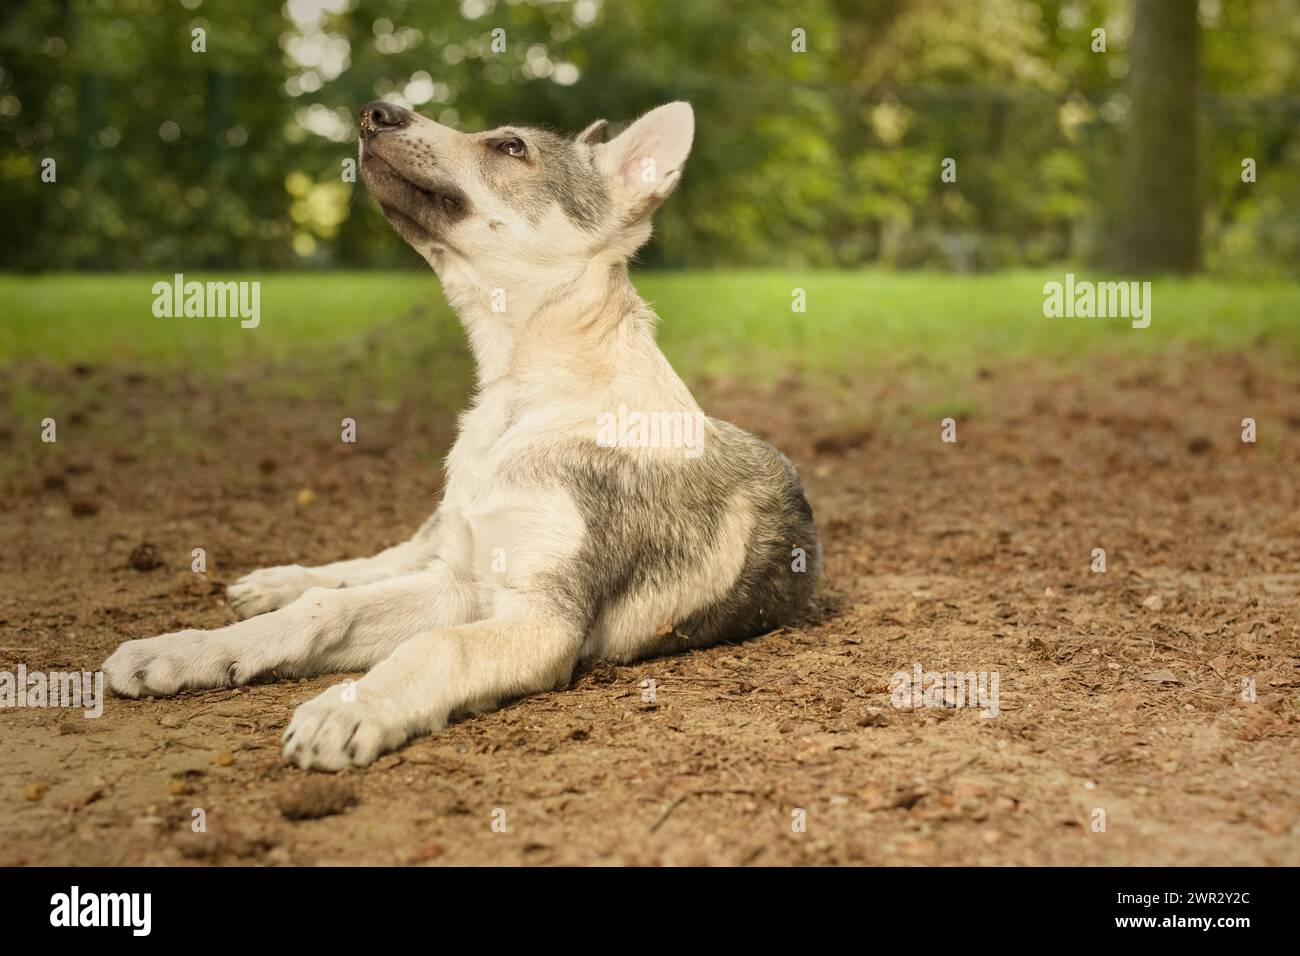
502, 526
491, 435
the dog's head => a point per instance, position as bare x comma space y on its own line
514, 201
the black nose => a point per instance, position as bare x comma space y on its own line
380, 117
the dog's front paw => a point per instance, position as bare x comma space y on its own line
268, 589
161, 666
334, 731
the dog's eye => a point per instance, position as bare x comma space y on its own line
450, 205
513, 147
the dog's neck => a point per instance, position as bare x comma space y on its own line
571, 325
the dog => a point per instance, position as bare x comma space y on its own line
590, 509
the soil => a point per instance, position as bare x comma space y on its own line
1125, 691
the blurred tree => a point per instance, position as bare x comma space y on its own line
1162, 227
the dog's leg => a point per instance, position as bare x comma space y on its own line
426, 680
272, 588
324, 630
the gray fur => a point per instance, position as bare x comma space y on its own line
648, 520
562, 172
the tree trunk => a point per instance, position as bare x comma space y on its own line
1162, 212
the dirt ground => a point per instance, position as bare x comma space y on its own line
1119, 691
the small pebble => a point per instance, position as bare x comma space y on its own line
146, 557
34, 791
315, 797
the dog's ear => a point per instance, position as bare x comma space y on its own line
594, 134
646, 159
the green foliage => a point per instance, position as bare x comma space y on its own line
230, 159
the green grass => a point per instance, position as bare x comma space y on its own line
726, 323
